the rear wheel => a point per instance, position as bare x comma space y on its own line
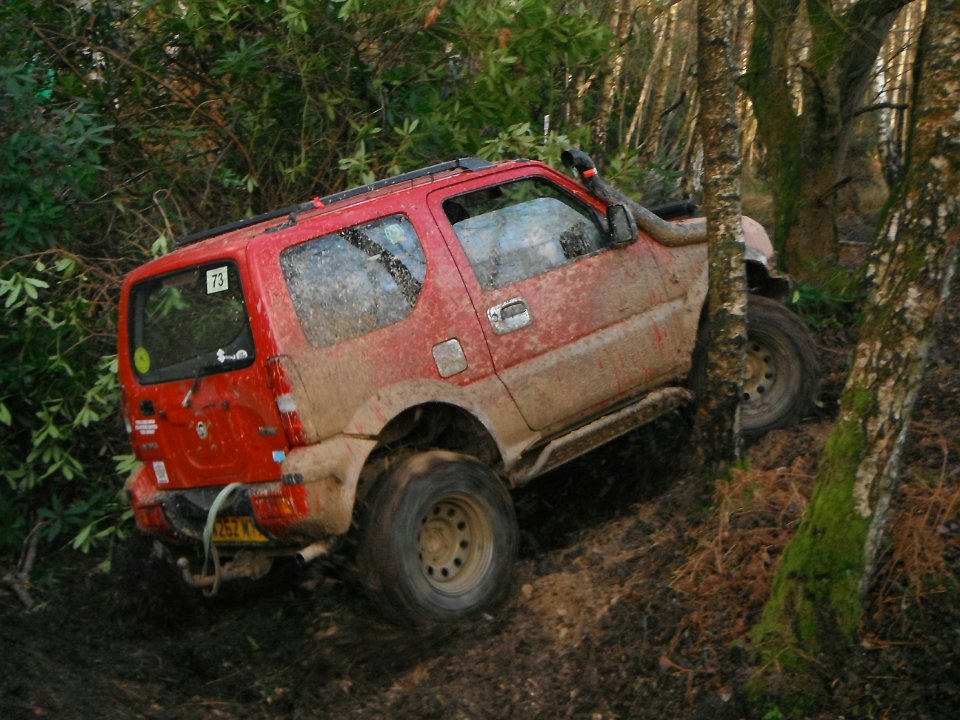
781, 377
439, 539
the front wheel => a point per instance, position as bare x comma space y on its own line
439, 540
781, 377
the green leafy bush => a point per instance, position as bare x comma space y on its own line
836, 301
58, 389
58, 400
49, 158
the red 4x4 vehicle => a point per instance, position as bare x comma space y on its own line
401, 354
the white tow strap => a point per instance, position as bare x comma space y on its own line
209, 549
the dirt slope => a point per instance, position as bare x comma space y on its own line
630, 602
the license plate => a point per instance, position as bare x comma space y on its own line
238, 529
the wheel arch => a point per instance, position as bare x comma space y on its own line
440, 425
761, 281
408, 423
760, 261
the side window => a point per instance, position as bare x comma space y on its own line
521, 229
359, 279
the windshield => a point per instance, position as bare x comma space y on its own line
189, 323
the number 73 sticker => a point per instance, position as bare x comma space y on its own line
217, 280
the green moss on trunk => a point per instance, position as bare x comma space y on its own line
815, 605
815, 610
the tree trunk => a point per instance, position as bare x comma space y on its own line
807, 132
893, 91
664, 25
658, 98
621, 21
817, 600
717, 429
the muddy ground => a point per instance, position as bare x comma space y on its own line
632, 600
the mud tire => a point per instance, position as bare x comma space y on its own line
782, 369
439, 539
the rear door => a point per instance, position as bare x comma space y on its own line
573, 324
201, 410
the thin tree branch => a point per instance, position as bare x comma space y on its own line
880, 106
832, 190
674, 105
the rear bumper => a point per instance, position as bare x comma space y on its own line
313, 500
278, 513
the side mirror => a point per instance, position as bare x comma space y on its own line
623, 228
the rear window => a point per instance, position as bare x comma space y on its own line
190, 322
356, 280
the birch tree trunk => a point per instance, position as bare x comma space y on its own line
893, 90
621, 21
816, 605
663, 26
717, 428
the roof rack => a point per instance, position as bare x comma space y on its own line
464, 163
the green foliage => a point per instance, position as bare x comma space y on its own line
58, 388
652, 182
49, 157
285, 100
58, 402
835, 301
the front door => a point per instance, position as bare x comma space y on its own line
572, 324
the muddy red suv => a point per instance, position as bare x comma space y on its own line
398, 356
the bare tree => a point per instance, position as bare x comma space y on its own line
817, 601
810, 65
621, 20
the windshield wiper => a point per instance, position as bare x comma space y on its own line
222, 359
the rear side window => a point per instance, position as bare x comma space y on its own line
190, 322
359, 279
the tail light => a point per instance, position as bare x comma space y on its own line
140, 489
282, 389
150, 518
278, 507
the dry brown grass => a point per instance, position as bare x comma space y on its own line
728, 577
924, 531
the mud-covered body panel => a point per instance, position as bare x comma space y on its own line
420, 326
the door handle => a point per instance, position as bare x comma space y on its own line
513, 314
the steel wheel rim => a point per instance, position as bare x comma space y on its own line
760, 383
768, 378
455, 544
